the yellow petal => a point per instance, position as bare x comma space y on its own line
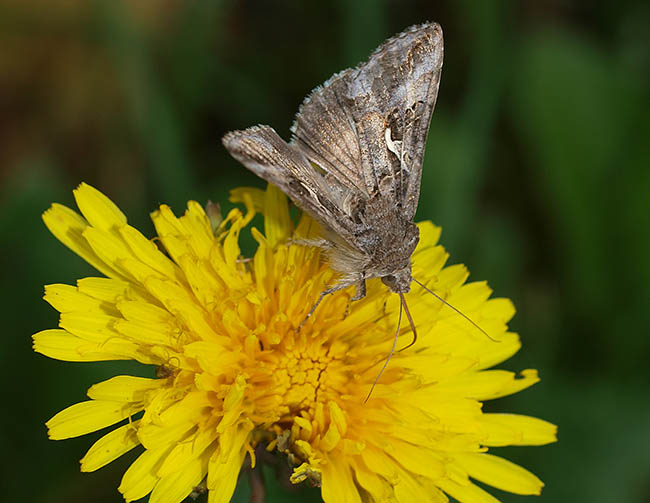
148, 253
110, 249
232, 404
191, 233
175, 421
90, 326
110, 447
191, 407
228, 274
98, 209
515, 429
231, 250
470, 296
466, 493
408, 489
211, 357
331, 438
86, 417
106, 289
451, 278
417, 459
140, 478
307, 228
304, 449
169, 231
437, 367
225, 463
205, 284
338, 484
68, 227
155, 436
378, 488
306, 472
226, 475
337, 416
249, 195
500, 473
174, 488
61, 345
187, 451
429, 234
455, 413
487, 385
151, 333
428, 258
138, 270
497, 352
144, 312
499, 308
197, 226
277, 221
124, 388
66, 298
184, 307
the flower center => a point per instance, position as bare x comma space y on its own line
304, 369
299, 373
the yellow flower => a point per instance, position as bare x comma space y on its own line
234, 371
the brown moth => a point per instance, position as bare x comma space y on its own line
354, 162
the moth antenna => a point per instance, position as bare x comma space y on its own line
457, 310
402, 300
392, 350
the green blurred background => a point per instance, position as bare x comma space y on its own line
537, 167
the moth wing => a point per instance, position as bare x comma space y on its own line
266, 154
368, 126
325, 131
400, 83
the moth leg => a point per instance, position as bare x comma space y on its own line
325, 293
360, 292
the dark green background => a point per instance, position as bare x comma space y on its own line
537, 167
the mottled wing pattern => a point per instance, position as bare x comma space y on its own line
367, 127
261, 150
358, 136
325, 131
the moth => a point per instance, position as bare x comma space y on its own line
354, 162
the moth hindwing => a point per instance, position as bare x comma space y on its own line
354, 162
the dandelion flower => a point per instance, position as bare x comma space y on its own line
235, 373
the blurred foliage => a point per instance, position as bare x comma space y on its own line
537, 167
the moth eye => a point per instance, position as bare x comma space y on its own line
389, 280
